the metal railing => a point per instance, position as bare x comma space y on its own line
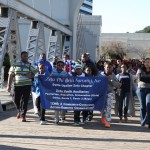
2, 77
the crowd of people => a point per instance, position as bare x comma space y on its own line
126, 80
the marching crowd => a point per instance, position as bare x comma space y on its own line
126, 80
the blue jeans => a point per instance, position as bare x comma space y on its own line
123, 99
144, 99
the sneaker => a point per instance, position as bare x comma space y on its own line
36, 113
103, 119
56, 122
90, 118
23, 118
18, 116
83, 121
61, 120
107, 124
42, 122
76, 123
142, 124
39, 114
120, 121
125, 119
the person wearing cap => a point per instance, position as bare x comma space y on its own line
59, 72
78, 72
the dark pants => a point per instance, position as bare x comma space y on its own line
144, 99
124, 99
21, 98
41, 111
77, 115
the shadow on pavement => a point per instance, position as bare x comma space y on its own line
5, 147
11, 113
75, 138
116, 127
7, 114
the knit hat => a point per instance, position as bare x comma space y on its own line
60, 60
78, 66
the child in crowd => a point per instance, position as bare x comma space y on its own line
78, 72
59, 72
126, 83
88, 72
41, 111
112, 83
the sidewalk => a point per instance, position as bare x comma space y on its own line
30, 135
6, 99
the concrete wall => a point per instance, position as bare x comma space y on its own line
131, 41
91, 29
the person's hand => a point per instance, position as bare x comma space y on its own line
109, 78
30, 75
64, 75
135, 80
9, 88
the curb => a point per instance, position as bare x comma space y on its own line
10, 105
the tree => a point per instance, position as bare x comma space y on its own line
140, 51
113, 50
145, 30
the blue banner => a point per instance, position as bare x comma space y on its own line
73, 93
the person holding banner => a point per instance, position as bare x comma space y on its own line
112, 83
86, 61
41, 111
88, 72
48, 66
59, 72
78, 72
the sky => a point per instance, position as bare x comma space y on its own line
121, 16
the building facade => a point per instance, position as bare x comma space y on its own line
89, 30
135, 45
86, 7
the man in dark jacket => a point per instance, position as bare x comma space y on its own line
87, 62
